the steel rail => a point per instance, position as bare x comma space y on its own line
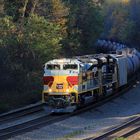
28, 126
10, 116
132, 132
113, 132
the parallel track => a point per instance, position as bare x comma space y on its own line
48, 119
28, 126
125, 130
7, 117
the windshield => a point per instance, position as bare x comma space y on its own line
53, 67
70, 66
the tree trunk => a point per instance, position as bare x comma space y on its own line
24, 8
34, 6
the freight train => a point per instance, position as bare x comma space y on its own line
70, 83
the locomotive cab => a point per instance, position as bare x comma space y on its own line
61, 83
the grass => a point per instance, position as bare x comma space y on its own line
72, 134
76, 133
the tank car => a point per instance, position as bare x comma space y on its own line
70, 83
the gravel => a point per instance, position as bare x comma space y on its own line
91, 123
134, 137
23, 119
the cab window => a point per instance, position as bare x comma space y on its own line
70, 66
53, 67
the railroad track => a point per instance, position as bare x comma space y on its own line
125, 130
44, 120
7, 117
28, 126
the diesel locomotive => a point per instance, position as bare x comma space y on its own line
70, 83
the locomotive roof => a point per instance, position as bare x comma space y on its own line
91, 58
64, 61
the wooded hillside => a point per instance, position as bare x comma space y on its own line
35, 31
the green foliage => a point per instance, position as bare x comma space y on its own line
122, 20
35, 31
35, 38
24, 48
135, 16
74, 133
84, 26
13, 8
7, 31
43, 37
122, 26
18, 9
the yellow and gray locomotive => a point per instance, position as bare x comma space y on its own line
73, 82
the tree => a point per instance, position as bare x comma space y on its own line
43, 37
35, 31
20, 9
135, 16
1, 7
25, 52
84, 26
118, 23
122, 25
55, 11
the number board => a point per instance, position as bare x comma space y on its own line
59, 86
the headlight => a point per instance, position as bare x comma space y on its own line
67, 90
50, 90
